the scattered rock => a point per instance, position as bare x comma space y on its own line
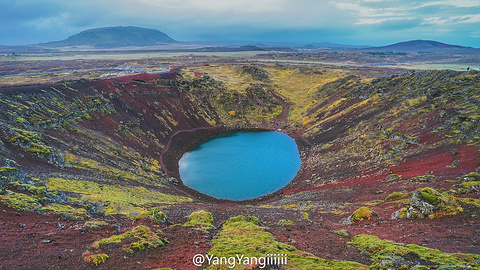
160, 217
473, 176
427, 178
411, 259
427, 202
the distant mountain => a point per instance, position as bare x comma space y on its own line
229, 49
419, 46
114, 37
328, 45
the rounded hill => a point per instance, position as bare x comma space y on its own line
115, 37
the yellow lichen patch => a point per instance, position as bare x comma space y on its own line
335, 104
415, 101
212, 122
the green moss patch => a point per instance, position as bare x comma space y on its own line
240, 235
95, 259
305, 216
423, 178
73, 213
387, 254
393, 177
427, 202
129, 201
30, 141
95, 224
470, 184
19, 201
284, 222
200, 218
473, 176
146, 239
155, 214
341, 232
4, 170
396, 195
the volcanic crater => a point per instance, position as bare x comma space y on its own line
389, 174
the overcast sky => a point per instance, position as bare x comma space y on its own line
360, 22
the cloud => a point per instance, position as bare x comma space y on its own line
348, 21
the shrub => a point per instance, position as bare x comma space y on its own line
341, 232
200, 218
96, 259
396, 195
284, 222
363, 213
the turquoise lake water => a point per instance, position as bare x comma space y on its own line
241, 165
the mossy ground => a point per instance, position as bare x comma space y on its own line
130, 201
146, 239
383, 253
396, 195
363, 213
75, 213
96, 259
438, 205
200, 218
240, 235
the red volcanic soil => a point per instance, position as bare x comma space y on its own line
45, 242
439, 162
33, 241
